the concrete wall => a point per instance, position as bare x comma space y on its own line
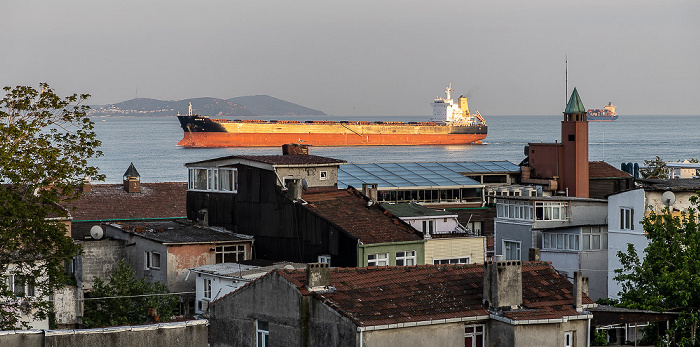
185, 334
294, 320
618, 239
312, 175
184, 257
456, 247
99, 259
136, 255
67, 306
445, 224
504, 334
594, 265
514, 231
444, 335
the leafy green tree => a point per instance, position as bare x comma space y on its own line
46, 143
668, 279
655, 168
126, 300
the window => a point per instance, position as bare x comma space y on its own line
262, 332
474, 335
19, 285
464, 260
474, 227
213, 179
152, 260
626, 218
324, 259
228, 180
568, 339
207, 288
511, 250
379, 259
428, 226
406, 258
550, 210
569, 242
513, 209
230, 254
323, 175
594, 238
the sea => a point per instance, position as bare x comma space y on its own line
151, 143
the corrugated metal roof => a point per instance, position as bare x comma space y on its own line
430, 174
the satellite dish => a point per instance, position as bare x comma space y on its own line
668, 198
96, 232
288, 267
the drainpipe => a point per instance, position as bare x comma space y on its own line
588, 335
360, 337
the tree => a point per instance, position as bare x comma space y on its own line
655, 168
46, 143
668, 279
126, 300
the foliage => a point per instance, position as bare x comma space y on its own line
46, 142
599, 337
655, 168
126, 300
669, 276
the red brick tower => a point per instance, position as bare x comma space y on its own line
574, 156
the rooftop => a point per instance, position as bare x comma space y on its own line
348, 210
674, 184
111, 202
274, 160
179, 232
574, 105
431, 174
235, 270
392, 295
601, 169
411, 209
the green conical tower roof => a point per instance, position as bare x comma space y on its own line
131, 172
575, 105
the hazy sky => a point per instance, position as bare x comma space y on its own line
363, 57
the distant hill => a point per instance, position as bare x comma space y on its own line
240, 107
265, 105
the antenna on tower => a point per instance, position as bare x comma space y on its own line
566, 77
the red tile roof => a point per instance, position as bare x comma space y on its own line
601, 169
112, 202
348, 210
391, 295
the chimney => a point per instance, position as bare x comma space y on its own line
294, 188
503, 284
295, 149
317, 276
132, 180
534, 254
578, 290
87, 186
370, 190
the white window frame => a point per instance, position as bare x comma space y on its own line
220, 252
262, 334
518, 248
552, 210
406, 258
22, 290
569, 339
514, 209
378, 259
149, 260
626, 218
458, 260
206, 288
428, 227
323, 175
478, 333
324, 259
593, 236
213, 180
561, 241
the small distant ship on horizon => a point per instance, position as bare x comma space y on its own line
606, 114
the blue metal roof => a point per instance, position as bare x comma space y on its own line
407, 175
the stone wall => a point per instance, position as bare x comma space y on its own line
182, 334
98, 259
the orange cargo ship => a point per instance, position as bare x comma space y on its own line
452, 125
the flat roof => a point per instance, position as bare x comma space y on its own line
429, 174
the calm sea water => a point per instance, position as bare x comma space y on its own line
151, 143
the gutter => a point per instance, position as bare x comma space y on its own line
421, 323
126, 219
564, 319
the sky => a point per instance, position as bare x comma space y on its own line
363, 57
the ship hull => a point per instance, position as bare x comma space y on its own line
205, 132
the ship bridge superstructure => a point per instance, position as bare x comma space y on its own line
445, 110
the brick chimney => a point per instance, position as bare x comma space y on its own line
132, 180
294, 149
87, 186
317, 276
503, 284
